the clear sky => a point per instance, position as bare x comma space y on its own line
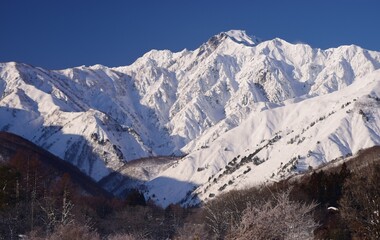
57, 34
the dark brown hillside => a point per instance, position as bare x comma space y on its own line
43, 196
12, 146
336, 201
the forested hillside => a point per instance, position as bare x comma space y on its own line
43, 201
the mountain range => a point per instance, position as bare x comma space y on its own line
187, 126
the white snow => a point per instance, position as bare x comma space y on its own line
333, 209
240, 36
316, 129
231, 96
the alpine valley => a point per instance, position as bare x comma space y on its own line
187, 126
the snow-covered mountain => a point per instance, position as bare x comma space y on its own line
243, 111
272, 144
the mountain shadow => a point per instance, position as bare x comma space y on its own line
16, 147
116, 184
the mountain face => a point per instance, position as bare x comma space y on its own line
242, 110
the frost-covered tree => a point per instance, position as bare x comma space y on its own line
278, 218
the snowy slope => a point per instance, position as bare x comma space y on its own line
88, 116
200, 94
228, 97
273, 143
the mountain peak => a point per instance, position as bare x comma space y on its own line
237, 36
240, 36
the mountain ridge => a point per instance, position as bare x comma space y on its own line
180, 103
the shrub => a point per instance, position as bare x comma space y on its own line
72, 231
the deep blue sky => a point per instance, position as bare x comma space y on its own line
57, 34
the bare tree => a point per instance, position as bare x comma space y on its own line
191, 231
126, 236
49, 216
279, 218
217, 221
67, 206
225, 211
360, 204
73, 231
